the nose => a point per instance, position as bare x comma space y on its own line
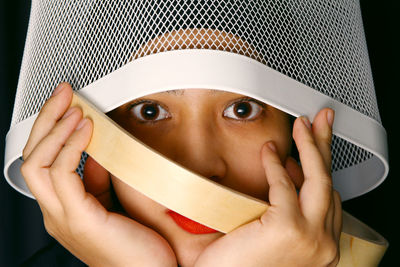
197, 147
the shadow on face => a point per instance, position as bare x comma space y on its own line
217, 134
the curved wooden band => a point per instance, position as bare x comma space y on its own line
183, 191
165, 181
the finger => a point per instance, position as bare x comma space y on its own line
50, 113
97, 182
35, 167
67, 183
338, 216
322, 131
315, 194
282, 193
48, 148
295, 172
39, 184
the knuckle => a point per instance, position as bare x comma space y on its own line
69, 144
286, 182
71, 148
25, 153
49, 227
46, 106
55, 171
328, 251
327, 181
77, 229
326, 141
296, 234
331, 253
26, 169
322, 249
327, 144
337, 196
325, 135
54, 134
305, 143
336, 260
74, 145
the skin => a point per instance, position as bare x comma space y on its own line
196, 134
297, 230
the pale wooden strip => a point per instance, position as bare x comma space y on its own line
360, 246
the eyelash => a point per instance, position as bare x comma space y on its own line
151, 122
138, 102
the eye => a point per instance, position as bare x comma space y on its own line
149, 111
243, 110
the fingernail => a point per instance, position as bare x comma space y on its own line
271, 146
69, 112
329, 116
58, 90
306, 122
81, 124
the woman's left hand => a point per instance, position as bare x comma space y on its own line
297, 230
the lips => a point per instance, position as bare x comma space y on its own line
189, 225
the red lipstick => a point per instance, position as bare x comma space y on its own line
189, 225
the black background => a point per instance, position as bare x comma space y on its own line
21, 227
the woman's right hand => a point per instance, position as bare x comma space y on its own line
72, 215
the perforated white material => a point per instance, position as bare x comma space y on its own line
318, 43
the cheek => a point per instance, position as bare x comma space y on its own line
137, 205
245, 172
242, 152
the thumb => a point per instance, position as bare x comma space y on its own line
97, 182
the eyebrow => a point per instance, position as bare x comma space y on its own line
182, 92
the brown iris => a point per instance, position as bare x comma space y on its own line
149, 111
242, 109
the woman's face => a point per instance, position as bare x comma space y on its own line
217, 134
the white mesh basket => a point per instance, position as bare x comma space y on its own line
298, 56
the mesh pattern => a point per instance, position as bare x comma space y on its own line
346, 154
319, 43
81, 166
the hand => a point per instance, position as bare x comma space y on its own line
71, 215
297, 230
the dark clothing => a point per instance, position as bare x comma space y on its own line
53, 255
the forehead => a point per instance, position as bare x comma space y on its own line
197, 38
